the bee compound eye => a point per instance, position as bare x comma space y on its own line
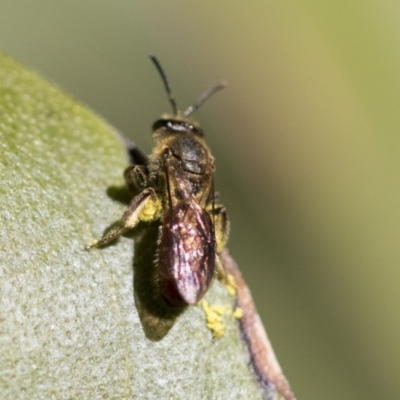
160, 123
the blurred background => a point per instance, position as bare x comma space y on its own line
307, 143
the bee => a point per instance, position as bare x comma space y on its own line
175, 185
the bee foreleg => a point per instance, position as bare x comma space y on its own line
146, 206
136, 178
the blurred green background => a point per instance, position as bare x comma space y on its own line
307, 143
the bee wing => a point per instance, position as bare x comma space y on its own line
186, 254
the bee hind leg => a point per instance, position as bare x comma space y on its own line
146, 206
221, 227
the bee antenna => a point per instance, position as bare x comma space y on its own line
166, 84
204, 97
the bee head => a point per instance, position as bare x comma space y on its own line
170, 124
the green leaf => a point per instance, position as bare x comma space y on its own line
69, 321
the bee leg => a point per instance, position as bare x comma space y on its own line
221, 223
135, 155
136, 178
146, 206
221, 226
219, 268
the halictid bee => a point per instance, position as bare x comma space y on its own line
176, 186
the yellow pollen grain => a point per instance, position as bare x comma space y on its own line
230, 284
221, 310
150, 210
237, 313
215, 317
